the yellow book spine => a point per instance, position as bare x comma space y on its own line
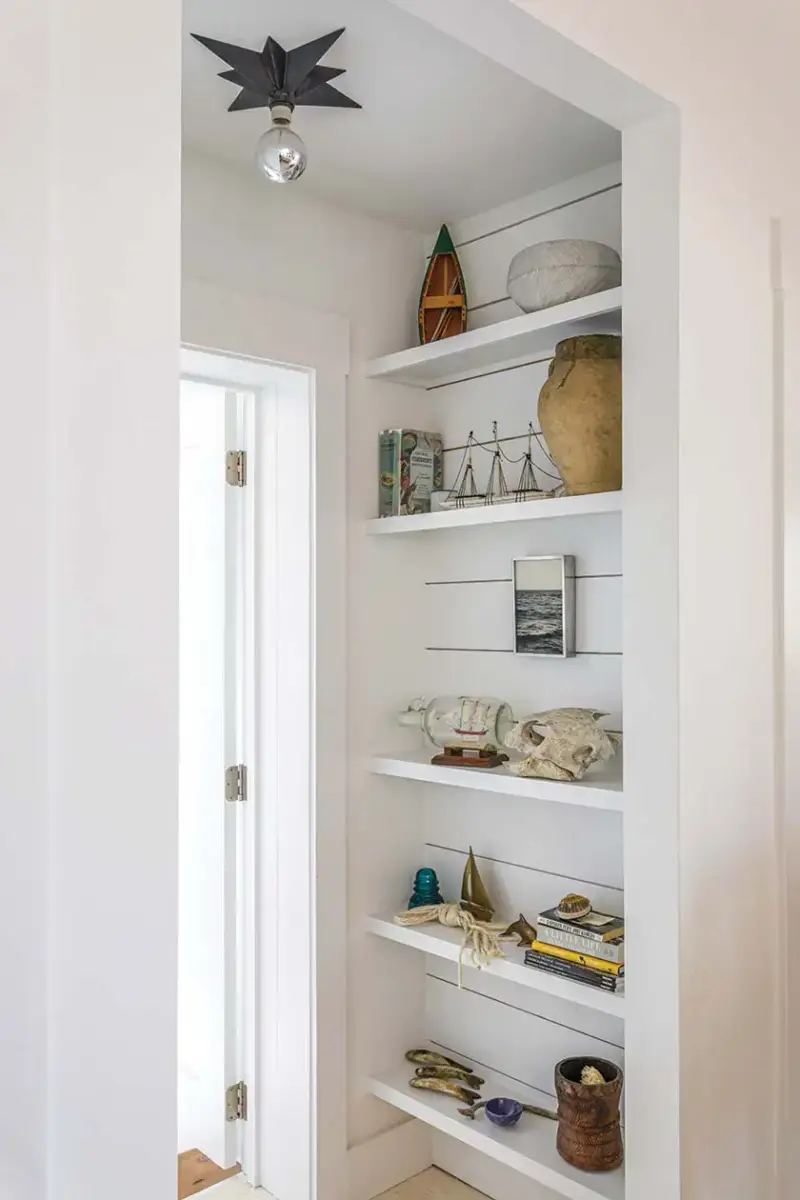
583, 960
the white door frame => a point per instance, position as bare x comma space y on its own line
299, 1064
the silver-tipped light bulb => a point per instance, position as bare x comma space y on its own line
280, 153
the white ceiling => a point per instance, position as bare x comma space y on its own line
444, 133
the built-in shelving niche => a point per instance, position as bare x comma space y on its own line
446, 629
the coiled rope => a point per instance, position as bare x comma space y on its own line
482, 941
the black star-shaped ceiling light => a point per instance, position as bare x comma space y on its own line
281, 80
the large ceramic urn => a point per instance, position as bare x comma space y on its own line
580, 413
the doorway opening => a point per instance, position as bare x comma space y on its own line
239, 420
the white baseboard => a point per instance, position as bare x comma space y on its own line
494, 1179
388, 1159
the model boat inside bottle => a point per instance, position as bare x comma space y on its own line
468, 729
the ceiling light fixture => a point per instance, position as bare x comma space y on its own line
281, 80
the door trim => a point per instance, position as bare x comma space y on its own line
287, 1148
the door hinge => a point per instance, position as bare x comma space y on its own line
236, 468
236, 1102
236, 782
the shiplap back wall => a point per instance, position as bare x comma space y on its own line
467, 576
530, 853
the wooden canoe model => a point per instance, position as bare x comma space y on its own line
443, 302
474, 897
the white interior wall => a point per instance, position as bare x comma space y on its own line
584, 207
23, 627
459, 609
88, 220
787, 355
738, 110
335, 261
113, 304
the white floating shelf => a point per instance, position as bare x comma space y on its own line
530, 1147
531, 336
597, 504
446, 943
601, 790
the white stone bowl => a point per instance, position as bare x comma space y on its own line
554, 272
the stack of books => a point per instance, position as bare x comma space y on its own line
589, 950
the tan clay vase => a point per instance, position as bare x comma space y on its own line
580, 413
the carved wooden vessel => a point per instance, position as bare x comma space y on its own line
589, 1135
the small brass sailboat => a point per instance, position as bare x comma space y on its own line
474, 897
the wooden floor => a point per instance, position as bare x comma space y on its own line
430, 1185
196, 1173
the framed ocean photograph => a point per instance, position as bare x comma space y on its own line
544, 606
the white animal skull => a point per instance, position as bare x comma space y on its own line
560, 744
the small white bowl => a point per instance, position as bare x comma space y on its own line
550, 273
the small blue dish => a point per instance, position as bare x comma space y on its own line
502, 1111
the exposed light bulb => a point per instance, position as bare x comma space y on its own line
280, 153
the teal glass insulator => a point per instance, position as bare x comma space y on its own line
426, 889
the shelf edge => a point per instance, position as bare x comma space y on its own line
472, 1134
560, 507
416, 938
585, 795
389, 366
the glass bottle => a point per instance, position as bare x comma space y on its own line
461, 722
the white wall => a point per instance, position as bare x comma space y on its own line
112, 670
23, 628
89, 348
727, 66
282, 242
787, 346
240, 234
587, 206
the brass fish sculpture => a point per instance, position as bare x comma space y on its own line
448, 1087
523, 930
430, 1058
454, 1073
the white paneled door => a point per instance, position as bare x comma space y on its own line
212, 564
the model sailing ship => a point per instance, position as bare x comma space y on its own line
464, 492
